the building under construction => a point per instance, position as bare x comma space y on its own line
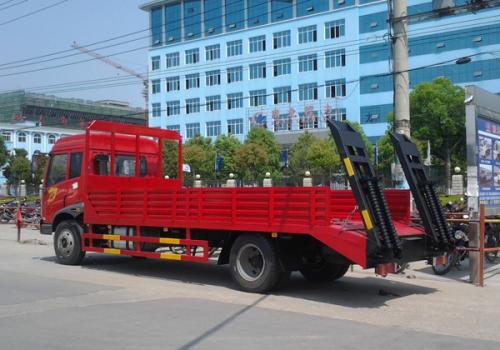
21, 106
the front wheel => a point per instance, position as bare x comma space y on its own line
445, 268
254, 264
68, 244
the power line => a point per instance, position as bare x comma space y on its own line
357, 40
6, 2
129, 34
17, 3
33, 13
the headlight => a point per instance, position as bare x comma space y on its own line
458, 234
465, 216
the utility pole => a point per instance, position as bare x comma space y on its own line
399, 24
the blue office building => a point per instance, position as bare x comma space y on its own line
226, 66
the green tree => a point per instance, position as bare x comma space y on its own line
170, 156
252, 161
267, 140
18, 168
298, 155
226, 147
42, 160
438, 115
3, 152
368, 145
323, 158
199, 153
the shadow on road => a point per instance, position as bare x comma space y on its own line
350, 291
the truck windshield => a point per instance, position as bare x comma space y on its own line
57, 169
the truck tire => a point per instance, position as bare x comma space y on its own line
323, 271
254, 264
67, 243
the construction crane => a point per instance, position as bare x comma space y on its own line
142, 77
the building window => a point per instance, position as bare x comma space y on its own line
173, 108
308, 119
308, 63
284, 123
172, 28
334, 29
257, 98
213, 17
307, 34
282, 67
335, 88
234, 48
212, 52
192, 56
234, 74
335, 58
212, 103
339, 114
281, 10
235, 100
257, 12
213, 78
282, 95
21, 137
6, 136
235, 126
192, 81
156, 27
155, 63
155, 86
156, 109
173, 84
192, 130
213, 129
176, 127
52, 139
192, 19
37, 138
258, 43
192, 105
308, 92
235, 15
281, 39
172, 59
257, 71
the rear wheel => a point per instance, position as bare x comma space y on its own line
254, 264
321, 271
67, 243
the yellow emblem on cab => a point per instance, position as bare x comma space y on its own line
52, 194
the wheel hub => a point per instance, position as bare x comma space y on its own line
250, 262
65, 243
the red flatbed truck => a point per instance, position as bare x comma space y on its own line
105, 191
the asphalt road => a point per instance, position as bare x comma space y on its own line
114, 302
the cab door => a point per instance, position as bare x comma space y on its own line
56, 185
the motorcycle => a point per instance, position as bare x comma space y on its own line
459, 254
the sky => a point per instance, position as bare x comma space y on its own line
55, 29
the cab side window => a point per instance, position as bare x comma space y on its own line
75, 165
101, 165
57, 169
125, 165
